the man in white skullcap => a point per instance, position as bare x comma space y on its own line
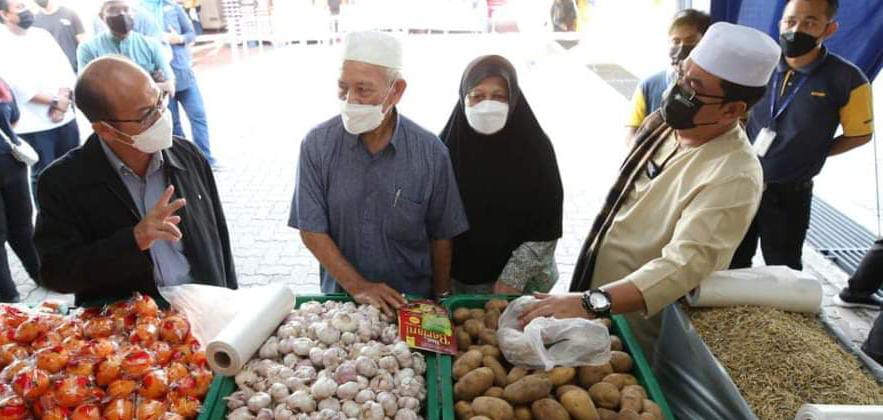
685, 195
375, 200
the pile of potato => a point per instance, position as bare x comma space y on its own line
488, 388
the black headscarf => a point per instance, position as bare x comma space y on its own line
508, 180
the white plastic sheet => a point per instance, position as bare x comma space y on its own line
263, 309
839, 412
777, 287
549, 342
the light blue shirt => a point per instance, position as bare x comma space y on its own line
381, 210
146, 52
170, 266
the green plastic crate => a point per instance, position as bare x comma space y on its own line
223, 386
620, 327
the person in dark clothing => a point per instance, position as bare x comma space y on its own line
16, 225
64, 25
508, 178
862, 292
133, 208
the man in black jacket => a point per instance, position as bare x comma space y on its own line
132, 209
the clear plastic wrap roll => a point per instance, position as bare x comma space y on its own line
839, 412
774, 286
251, 326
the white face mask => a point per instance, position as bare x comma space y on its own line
157, 137
358, 118
488, 116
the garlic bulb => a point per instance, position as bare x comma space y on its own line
290, 360
351, 408
383, 382
307, 373
301, 401
389, 403
402, 374
348, 338
410, 403
258, 401
279, 391
371, 411
236, 400
323, 388
316, 355
282, 412
332, 357
406, 414
389, 334
418, 363
388, 363
302, 346
366, 366
348, 391
364, 396
329, 404
295, 384
240, 413
344, 322
265, 414
346, 372
327, 333
246, 378
270, 349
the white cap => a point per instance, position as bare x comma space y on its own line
737, 54
372, 47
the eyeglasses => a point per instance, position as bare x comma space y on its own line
154, 114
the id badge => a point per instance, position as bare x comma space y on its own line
763, 141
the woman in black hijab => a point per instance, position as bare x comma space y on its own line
509, 182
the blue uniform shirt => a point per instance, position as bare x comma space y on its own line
381, 210
146, 52
175, 20
648, 96
828, 92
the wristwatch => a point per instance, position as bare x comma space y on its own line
597, 302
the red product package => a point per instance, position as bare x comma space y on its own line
425, 325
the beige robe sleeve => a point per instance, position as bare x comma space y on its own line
705, 237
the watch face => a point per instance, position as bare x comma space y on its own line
599, 301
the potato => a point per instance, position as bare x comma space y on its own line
491, 318
515, 374
463, 410
578, 403
492, 351
621, 361
473, 327
460, 315
590, 375
628, 414
488, 337
561, 375
474, 384
499, 372
494, 391
651, 408
527, 390
466, 363
477, 314
621, 380
494, 408
481, 418
523, 413
605, 395
639, 389
548, 409
498, 304
561, 390
464, 341
632, 398
647, 416
615, 343
607, 414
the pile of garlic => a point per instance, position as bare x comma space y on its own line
332, 361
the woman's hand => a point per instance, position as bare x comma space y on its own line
561, 306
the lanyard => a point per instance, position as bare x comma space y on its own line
775, 114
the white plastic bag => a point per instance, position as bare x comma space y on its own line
549, 342
208, 308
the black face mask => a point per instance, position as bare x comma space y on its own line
679, 108
42, 3
680, 53
120, 24
25, 19
795, 44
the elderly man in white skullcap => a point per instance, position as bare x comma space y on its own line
685, 195
376, 200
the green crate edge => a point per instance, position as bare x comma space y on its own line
223, 386
620, 327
